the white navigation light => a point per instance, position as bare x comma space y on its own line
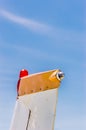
60, 75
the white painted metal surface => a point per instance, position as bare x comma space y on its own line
35, 111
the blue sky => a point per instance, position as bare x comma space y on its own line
40, 36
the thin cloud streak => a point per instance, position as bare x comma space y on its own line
71, 124
35, 26
38, 54
30, 24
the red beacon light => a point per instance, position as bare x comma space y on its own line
23, 73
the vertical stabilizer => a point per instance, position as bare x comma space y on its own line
35, 107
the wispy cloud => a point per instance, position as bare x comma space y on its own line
26, 22
29, 51
74, 123
39, 27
